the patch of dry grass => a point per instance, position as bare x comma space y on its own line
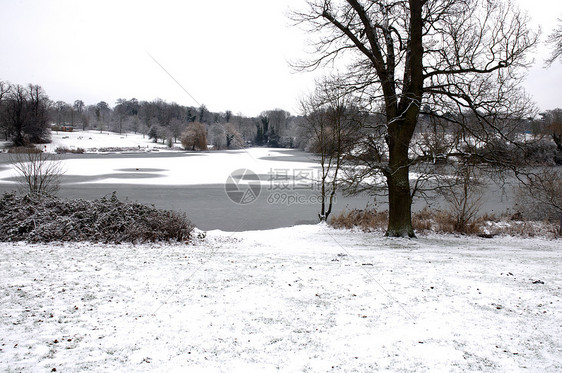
436, 221
367, 220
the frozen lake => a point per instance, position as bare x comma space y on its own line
195, 184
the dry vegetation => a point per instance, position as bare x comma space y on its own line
23, 150
428, 221
65, 150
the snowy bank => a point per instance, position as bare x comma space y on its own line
307, 298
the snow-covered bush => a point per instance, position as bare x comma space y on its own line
48, 219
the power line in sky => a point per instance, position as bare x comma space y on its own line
174, 79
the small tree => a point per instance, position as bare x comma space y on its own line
464, 193
262, 130
233, 137
218, 136
153, 133
40, 173
194, 137
333, 126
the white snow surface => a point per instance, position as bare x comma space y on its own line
92, 140
306, 298
187, 168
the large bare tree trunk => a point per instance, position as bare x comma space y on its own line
402, 119
399, 205
398, 180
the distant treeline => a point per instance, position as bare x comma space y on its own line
27, 113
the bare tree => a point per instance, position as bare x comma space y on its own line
5, 126
203, 114
4, 89
227, 116
455, 56
157, 132
234, 139
332, 125
40, 173
61, 113
218, 136
464, 193
277, 125
102, 111
555, 40
553, 126
26, 114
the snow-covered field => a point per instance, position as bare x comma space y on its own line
306, 298
94, 140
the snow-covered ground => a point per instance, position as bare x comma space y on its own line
182, 169
307, 298
92, 141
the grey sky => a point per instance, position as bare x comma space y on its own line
230, 55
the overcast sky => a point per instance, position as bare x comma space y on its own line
229, 55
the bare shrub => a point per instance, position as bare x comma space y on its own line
39, 173
49, 219
464, 193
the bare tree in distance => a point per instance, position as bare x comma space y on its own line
25, 114
553, 127
455, 57
4, 89
217, 136
5, 126
234, 139
277, 125
40, 173
102, 111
